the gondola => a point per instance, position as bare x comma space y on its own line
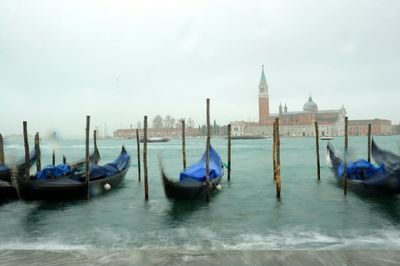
7, 189
388, 158
364, 177
192, 181
73, 185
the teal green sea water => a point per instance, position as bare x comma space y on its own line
245, 215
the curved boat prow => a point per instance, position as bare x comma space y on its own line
381, 156
95, 157
160, 164
335, 160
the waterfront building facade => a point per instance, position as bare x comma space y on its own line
301, 123
130, 133
378, 127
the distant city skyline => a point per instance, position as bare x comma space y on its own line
118, 61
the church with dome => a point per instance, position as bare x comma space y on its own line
301, 123
292, 123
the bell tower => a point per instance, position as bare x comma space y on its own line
263, 99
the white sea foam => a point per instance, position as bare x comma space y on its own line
41, 245
186, 239
380, 239
206, 239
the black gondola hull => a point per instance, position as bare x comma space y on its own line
187, 190
36, 190
7, 191
361, 188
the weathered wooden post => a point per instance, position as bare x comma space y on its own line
369, 143
229, 151
138, 152
53, 156
317, 150
54, 149
274, 149
183, 145
146, 181
278, 160
87, 155
1, 150
26, 145
14, 181
95, 145
37, 151
64, 159
208, 152
346, 143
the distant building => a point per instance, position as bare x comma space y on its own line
301, 123
124, 133
294, 123
156, 132
378, 127
396, 129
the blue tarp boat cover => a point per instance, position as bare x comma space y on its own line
99, 171
53, 171
197, 171
122, 160
361, 170
110, 169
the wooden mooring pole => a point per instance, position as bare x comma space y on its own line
1, 150
138, 152
26, 145
229, 151
317, 150
346, 143
87, 155
53, 156
146, 181
208, 152
14, 181
37, 151
278, 161
54, 149
274, 149
95, 145
183, 145
369, 143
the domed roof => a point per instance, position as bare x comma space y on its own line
310, 106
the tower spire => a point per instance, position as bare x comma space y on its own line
263, 86
263, 80
263, 99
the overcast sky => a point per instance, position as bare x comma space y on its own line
121, 60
